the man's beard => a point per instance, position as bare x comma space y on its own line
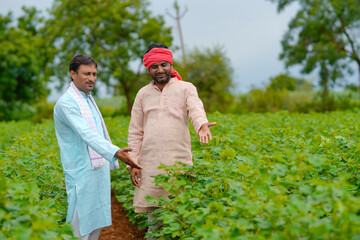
164, 80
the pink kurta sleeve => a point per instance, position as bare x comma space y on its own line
195, 108
136, 128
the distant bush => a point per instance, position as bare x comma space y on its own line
285, 92
285, 81
111, 107
44, 110
18, 111
270, 100
210, 71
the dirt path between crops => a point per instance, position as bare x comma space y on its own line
121, 228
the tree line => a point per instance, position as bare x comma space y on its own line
323, 36
35, 49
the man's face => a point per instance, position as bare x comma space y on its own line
85, 78
160, 72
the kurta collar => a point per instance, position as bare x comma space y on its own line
82, 93
173, 79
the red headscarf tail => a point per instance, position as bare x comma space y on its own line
158, 55
174, 73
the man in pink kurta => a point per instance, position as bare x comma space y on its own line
159, 126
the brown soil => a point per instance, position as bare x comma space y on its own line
121, 228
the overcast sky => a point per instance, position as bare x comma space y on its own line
250, 32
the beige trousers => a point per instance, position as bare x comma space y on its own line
151, 219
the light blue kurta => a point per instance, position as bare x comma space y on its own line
87, 188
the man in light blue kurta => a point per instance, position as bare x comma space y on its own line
88, 187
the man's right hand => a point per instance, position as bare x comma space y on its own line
135, 176
123, 155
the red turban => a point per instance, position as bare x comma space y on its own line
158, 55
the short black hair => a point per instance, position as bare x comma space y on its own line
155, 45
80, 60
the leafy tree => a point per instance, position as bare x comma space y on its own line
21, 61
323, 35
211, 72
285, 81
115, 33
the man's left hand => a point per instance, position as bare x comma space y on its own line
204, 133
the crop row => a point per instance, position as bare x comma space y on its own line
266, 176
271, 176
263, 176
33, 197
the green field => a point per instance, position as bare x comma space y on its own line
264, 176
